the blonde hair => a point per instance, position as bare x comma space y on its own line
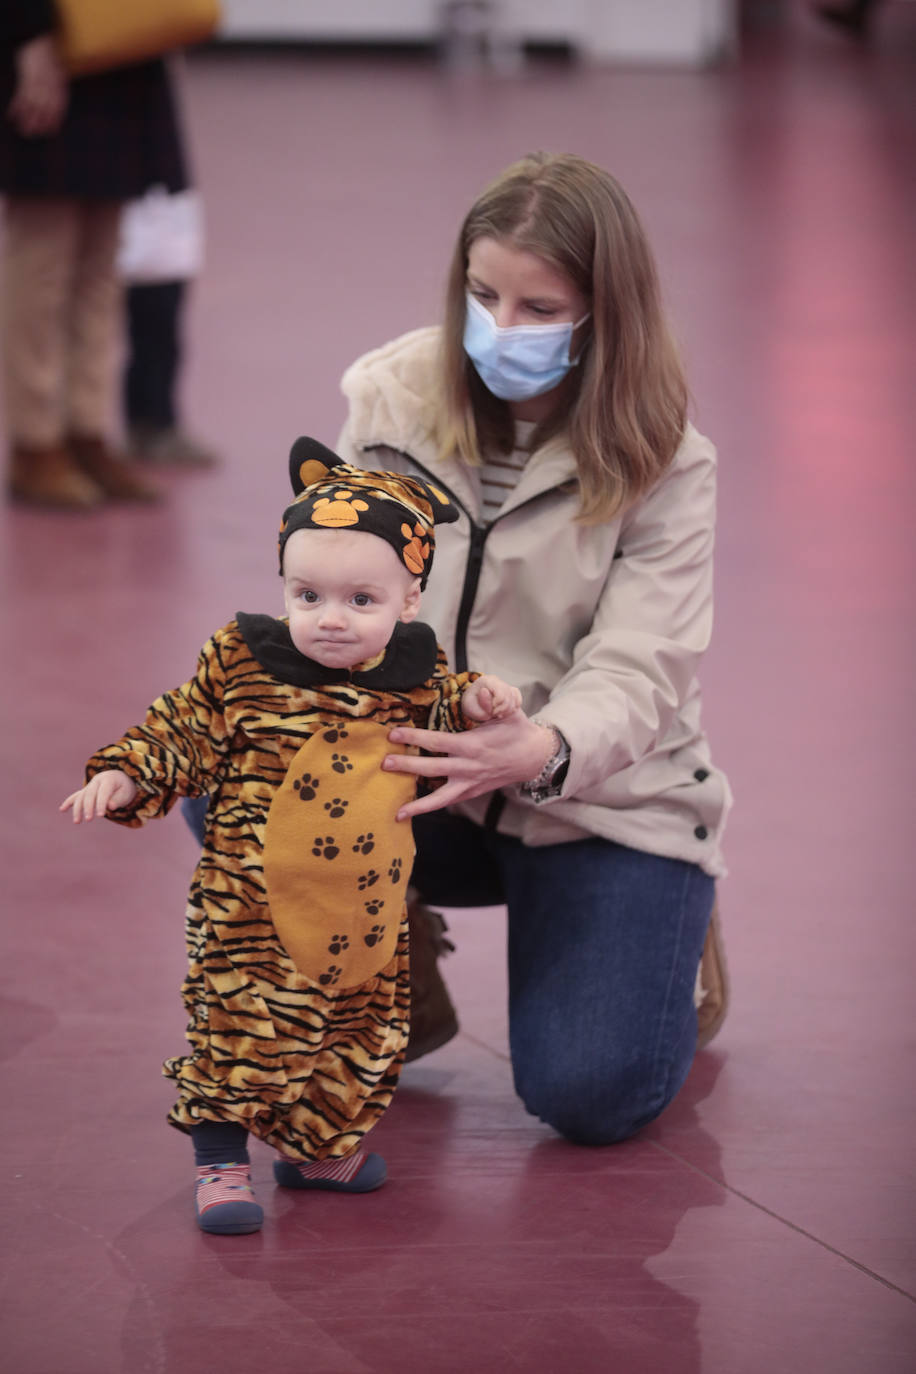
627, 400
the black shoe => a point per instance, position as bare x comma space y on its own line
852, 21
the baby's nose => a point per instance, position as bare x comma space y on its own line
332, 615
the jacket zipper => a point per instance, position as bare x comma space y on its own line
469, 593
479, 534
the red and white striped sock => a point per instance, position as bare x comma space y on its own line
222, 1183
331, 1170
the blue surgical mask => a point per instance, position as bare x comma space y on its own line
520, 361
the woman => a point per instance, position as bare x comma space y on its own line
551, 407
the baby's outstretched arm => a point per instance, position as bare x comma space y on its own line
108, 791
489, 698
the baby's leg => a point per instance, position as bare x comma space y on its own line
225, 1201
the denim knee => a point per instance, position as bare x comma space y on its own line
605, 1109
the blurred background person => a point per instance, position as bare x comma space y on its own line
161, 251
855, 17
71, 153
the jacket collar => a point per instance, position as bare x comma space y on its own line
409, 660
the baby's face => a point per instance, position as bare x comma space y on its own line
345, 590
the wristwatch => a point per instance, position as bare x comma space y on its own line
549, 782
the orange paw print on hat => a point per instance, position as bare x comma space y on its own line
341, 509
416, 549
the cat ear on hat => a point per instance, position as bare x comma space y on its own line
309, 462
444, 511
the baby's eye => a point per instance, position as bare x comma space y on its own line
308, 596
362, 599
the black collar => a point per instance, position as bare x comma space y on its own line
410, 658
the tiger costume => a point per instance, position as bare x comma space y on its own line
297, 989
301, 838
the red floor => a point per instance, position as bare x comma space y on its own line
766, 1222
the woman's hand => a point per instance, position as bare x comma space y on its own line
40, 98
107, 791
496, 754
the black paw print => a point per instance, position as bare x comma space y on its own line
364, 843
325, 848
331, 977
341, 763
336, 807
375, 934
338, 944
306, 786
334, 734
394, 872
374, 907
367, 880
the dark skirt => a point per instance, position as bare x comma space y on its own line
121, 135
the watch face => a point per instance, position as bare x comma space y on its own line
550, 781
558, 776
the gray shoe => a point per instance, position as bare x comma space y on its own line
170, 448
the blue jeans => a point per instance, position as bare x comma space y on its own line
604, 946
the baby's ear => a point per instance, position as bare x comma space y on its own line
309, 462
411, 603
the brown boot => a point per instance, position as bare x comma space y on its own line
712, 984
116, 476
50, 477
432, 1017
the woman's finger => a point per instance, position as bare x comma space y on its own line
436, 741
433, 801
443, 765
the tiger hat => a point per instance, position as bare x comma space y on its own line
332, 494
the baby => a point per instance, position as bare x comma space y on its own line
297, 989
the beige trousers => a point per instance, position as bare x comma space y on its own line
61, 317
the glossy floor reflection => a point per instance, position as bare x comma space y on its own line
765, 1222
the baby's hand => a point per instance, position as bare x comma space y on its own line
489, 698
108, 791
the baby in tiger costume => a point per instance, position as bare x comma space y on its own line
297, 986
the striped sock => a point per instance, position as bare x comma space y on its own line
225, 1200
360, 1172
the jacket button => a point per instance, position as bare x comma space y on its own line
701, 774
701, 832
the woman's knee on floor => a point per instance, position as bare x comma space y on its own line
599, 1108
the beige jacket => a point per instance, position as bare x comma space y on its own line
601, 627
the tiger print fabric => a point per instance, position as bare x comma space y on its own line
306, 1057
